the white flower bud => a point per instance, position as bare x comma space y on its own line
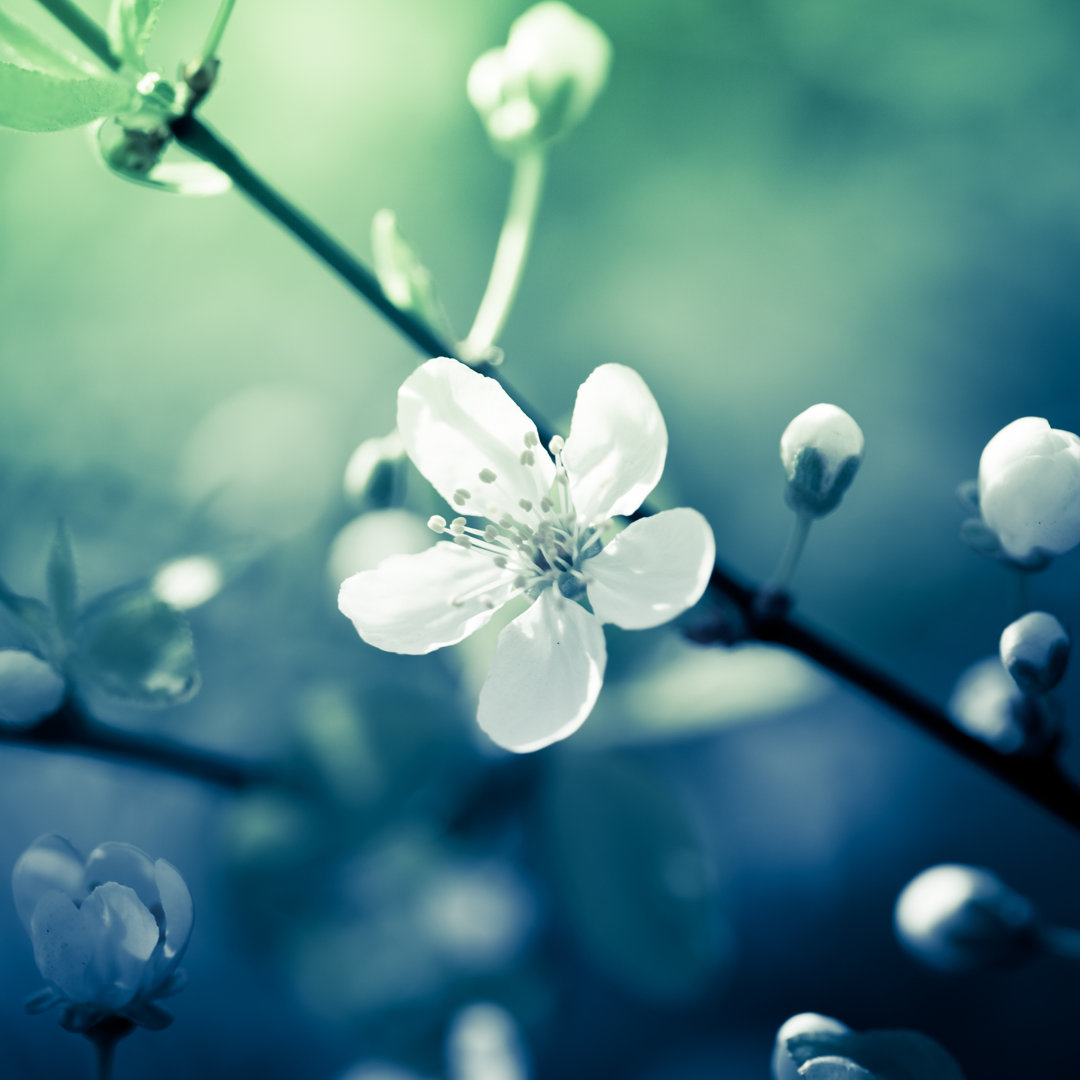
30, 688
544, 81
1035, 652
108, 931
1029, 489
784, 1066
821, 450
961, 918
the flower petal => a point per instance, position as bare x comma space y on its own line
653, 570
63, 942
124, 935
125, 864
405, 605
464, 433
617, 444
179, 916
49, 863
545, 677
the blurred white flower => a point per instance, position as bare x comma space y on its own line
30, 688
544, 81
1029, 489
545, 541
188, 582
961, 918
108, 931
484, 1043
1035, 651
821, 450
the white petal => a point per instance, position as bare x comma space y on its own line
125, 864
49, 863
64, 946
124, 935
179, 916
405, 604
458, 425
617, 445
545, 677
653, 570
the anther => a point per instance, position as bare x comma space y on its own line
463, 541
437, 523
457, 526
546, 505
528, 457
461, 496
488, 476
487, 601
520, 581
557, 444
525, 504
500, 561
491, 534
531, 440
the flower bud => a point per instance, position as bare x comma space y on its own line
108, 931
784, 1066
821, 450
369, 475
960, 918
1035, 652
544, 81
30, 688
1029, 489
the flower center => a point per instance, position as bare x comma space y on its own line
543, 545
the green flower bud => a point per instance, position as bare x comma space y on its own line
821, 450
1035, 652
544, 81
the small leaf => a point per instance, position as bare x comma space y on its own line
980, 537
129, 26
32, 100
30, 618
62, 579
631, 876
21, 46
968, 494
134, 647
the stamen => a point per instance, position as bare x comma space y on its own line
546, 505
487, 601
457, 526
557, 444
491, 534
525, 504
500, 561
461, 496
437, 523
488, 476
463, 541
528, 457
531, 440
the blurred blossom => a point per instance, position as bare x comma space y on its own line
810, 1046
987, 704
821, 450
370, 538
370, 468
544, 81
1029, 489
547, 540
30, 688
483, 1043
961, 918
108, 931
189, 582
1035, 652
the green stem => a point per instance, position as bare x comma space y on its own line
510, 254
105, 1053
213, 38
789, 559
85, 29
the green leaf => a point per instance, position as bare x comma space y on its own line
631, 876
129, 26
34, 100
62, 579
21, 46
136, 648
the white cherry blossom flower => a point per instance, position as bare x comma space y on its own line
108, 931
546, 538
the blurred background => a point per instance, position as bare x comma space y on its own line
774, 203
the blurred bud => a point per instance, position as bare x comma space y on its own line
1035, 652
484, 1044
189, 582
544, 81
783, 1064
30, 688
988, 704
960, 918
821, 450
369, 474
1029, 489
108, 932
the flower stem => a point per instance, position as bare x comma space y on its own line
105, 1035
1022, 593
213, 38
85, 29
789, 558
510, 254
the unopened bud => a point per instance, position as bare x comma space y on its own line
544, 81
30, 688
1035, 652
369, 475
961, 918
784, 1064
821, 450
